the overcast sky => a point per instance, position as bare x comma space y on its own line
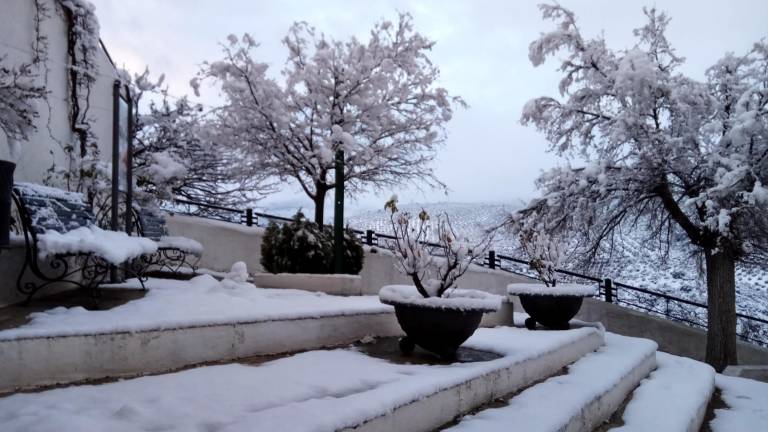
482, 51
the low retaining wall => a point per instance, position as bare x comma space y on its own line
342, 285
674, 338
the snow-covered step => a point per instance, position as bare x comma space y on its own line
587, 395
747, 405
323, 390
673, 398
183, 323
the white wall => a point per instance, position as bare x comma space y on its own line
42, 150
227, 242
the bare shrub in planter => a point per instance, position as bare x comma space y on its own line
550, 304
433, 313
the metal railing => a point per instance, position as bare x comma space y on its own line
692, 313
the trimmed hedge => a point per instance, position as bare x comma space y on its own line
301, 246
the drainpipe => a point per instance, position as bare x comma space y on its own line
6, 185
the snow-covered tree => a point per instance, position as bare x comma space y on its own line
662, 150
376, 100
18, 93
174, 155
432, 276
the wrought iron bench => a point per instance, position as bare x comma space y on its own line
63, 245
173, 253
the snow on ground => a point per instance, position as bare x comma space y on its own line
549, 406
671, 398
200, 301
319, 390
747, 402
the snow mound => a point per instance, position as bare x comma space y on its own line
565, 289
458, 299
115, 247
238, 272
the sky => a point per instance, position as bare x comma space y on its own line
481, 49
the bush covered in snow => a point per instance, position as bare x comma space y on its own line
302, 246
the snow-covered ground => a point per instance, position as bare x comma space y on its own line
200, 301
321, 390
747, 402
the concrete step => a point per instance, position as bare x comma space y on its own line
580, 400
674, 398
41, 360
322, 390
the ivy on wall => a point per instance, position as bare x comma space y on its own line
83, 170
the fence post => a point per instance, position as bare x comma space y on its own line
491, 259
369, 237
608, 290
249, 217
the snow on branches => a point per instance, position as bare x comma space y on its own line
176, 156
376, 100
432, 276
661, 148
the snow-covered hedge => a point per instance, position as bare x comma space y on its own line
302, 246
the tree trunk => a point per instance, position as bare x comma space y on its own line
320, 191
721, 295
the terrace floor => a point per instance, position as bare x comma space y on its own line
19, 314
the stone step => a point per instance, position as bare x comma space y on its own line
673, 398
323, 390
580, 400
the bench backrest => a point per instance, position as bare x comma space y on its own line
151, 224
51, 209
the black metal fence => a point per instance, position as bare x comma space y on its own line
749, 328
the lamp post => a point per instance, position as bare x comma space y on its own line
338, 215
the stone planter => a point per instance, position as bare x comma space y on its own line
552, 307
6, 185
439, 325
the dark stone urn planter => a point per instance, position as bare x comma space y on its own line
6, 184
551, 307
439, 325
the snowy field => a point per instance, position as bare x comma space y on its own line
200, 301
635, 262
